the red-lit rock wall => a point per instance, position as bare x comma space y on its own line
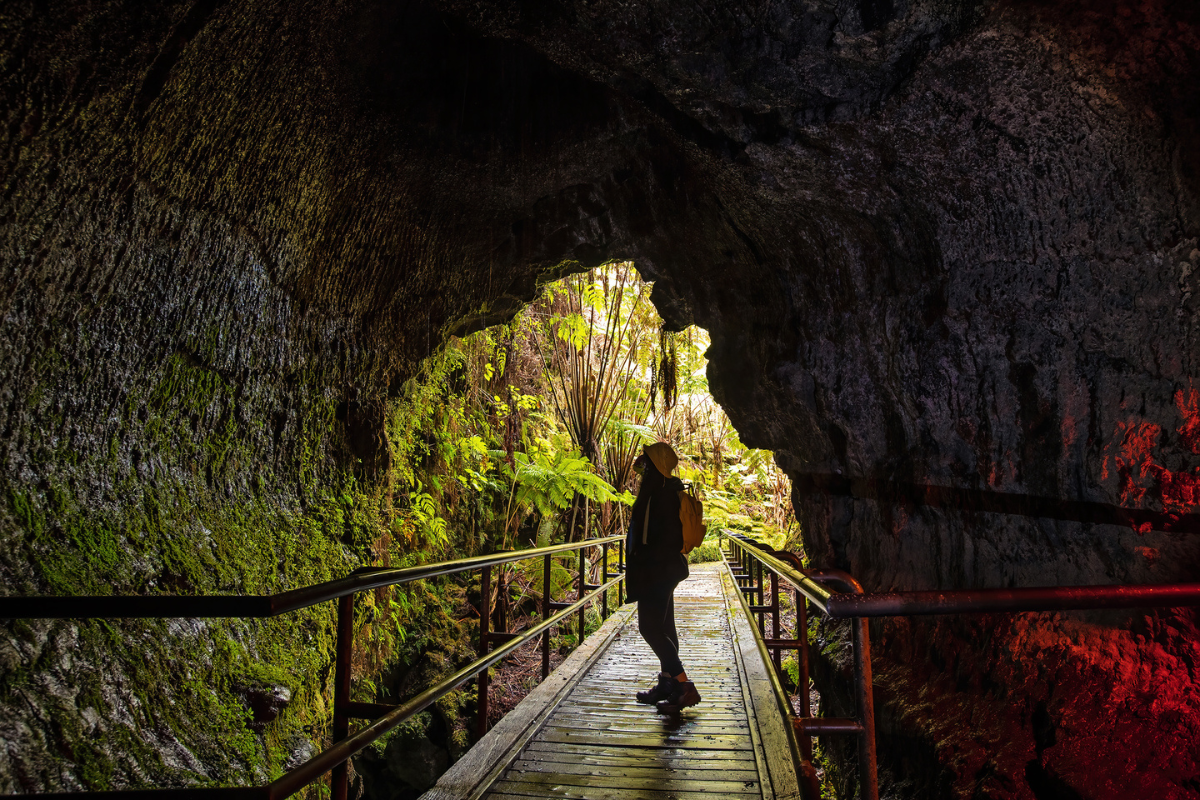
1060, 362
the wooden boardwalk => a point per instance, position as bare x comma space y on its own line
581, 734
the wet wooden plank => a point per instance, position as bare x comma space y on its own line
656, 758
661, 779
522, 792
563, 784
640, 792
699, 769
647, 718
729, 710
708, 742
692, 731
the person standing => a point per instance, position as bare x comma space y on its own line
655, 565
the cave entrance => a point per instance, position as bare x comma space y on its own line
525, 433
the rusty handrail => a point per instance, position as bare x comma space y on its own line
1036, 598
383, 718
845, 605
839, 596
887, 490
258, 606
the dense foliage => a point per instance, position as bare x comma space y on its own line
526, 432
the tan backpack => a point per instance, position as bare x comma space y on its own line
691, 514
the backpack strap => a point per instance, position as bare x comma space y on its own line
646, 522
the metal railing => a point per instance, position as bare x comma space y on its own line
837, 595
383, 718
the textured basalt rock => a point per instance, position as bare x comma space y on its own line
265, 703
939, 242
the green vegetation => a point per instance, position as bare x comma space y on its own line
527, 432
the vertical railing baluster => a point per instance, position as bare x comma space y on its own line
869, 779
775, 622
501, 600
757, 595
546, 572
621, 568
802, 670
761, 595
339, 777
582, 592
604, 580
485, 608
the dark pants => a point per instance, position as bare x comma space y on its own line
656, 623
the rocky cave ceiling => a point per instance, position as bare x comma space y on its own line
950, 243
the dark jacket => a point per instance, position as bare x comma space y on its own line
655, 565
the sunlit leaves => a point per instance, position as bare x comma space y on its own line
643, 433
572, 329
527, 431
424, 512
546, 481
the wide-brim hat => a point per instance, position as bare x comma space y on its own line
663, 456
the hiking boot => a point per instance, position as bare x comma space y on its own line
660, 692
682, 695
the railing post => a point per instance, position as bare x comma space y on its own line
604, 580
869, 779
621, 568
761, 595
546, 568
775, 621
802, 670
339, 778
501, 600
485, 604
582, 592
864, 700
756, 568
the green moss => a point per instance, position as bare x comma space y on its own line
185, 530
709, 550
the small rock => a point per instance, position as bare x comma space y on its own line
301, 750
265, 702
